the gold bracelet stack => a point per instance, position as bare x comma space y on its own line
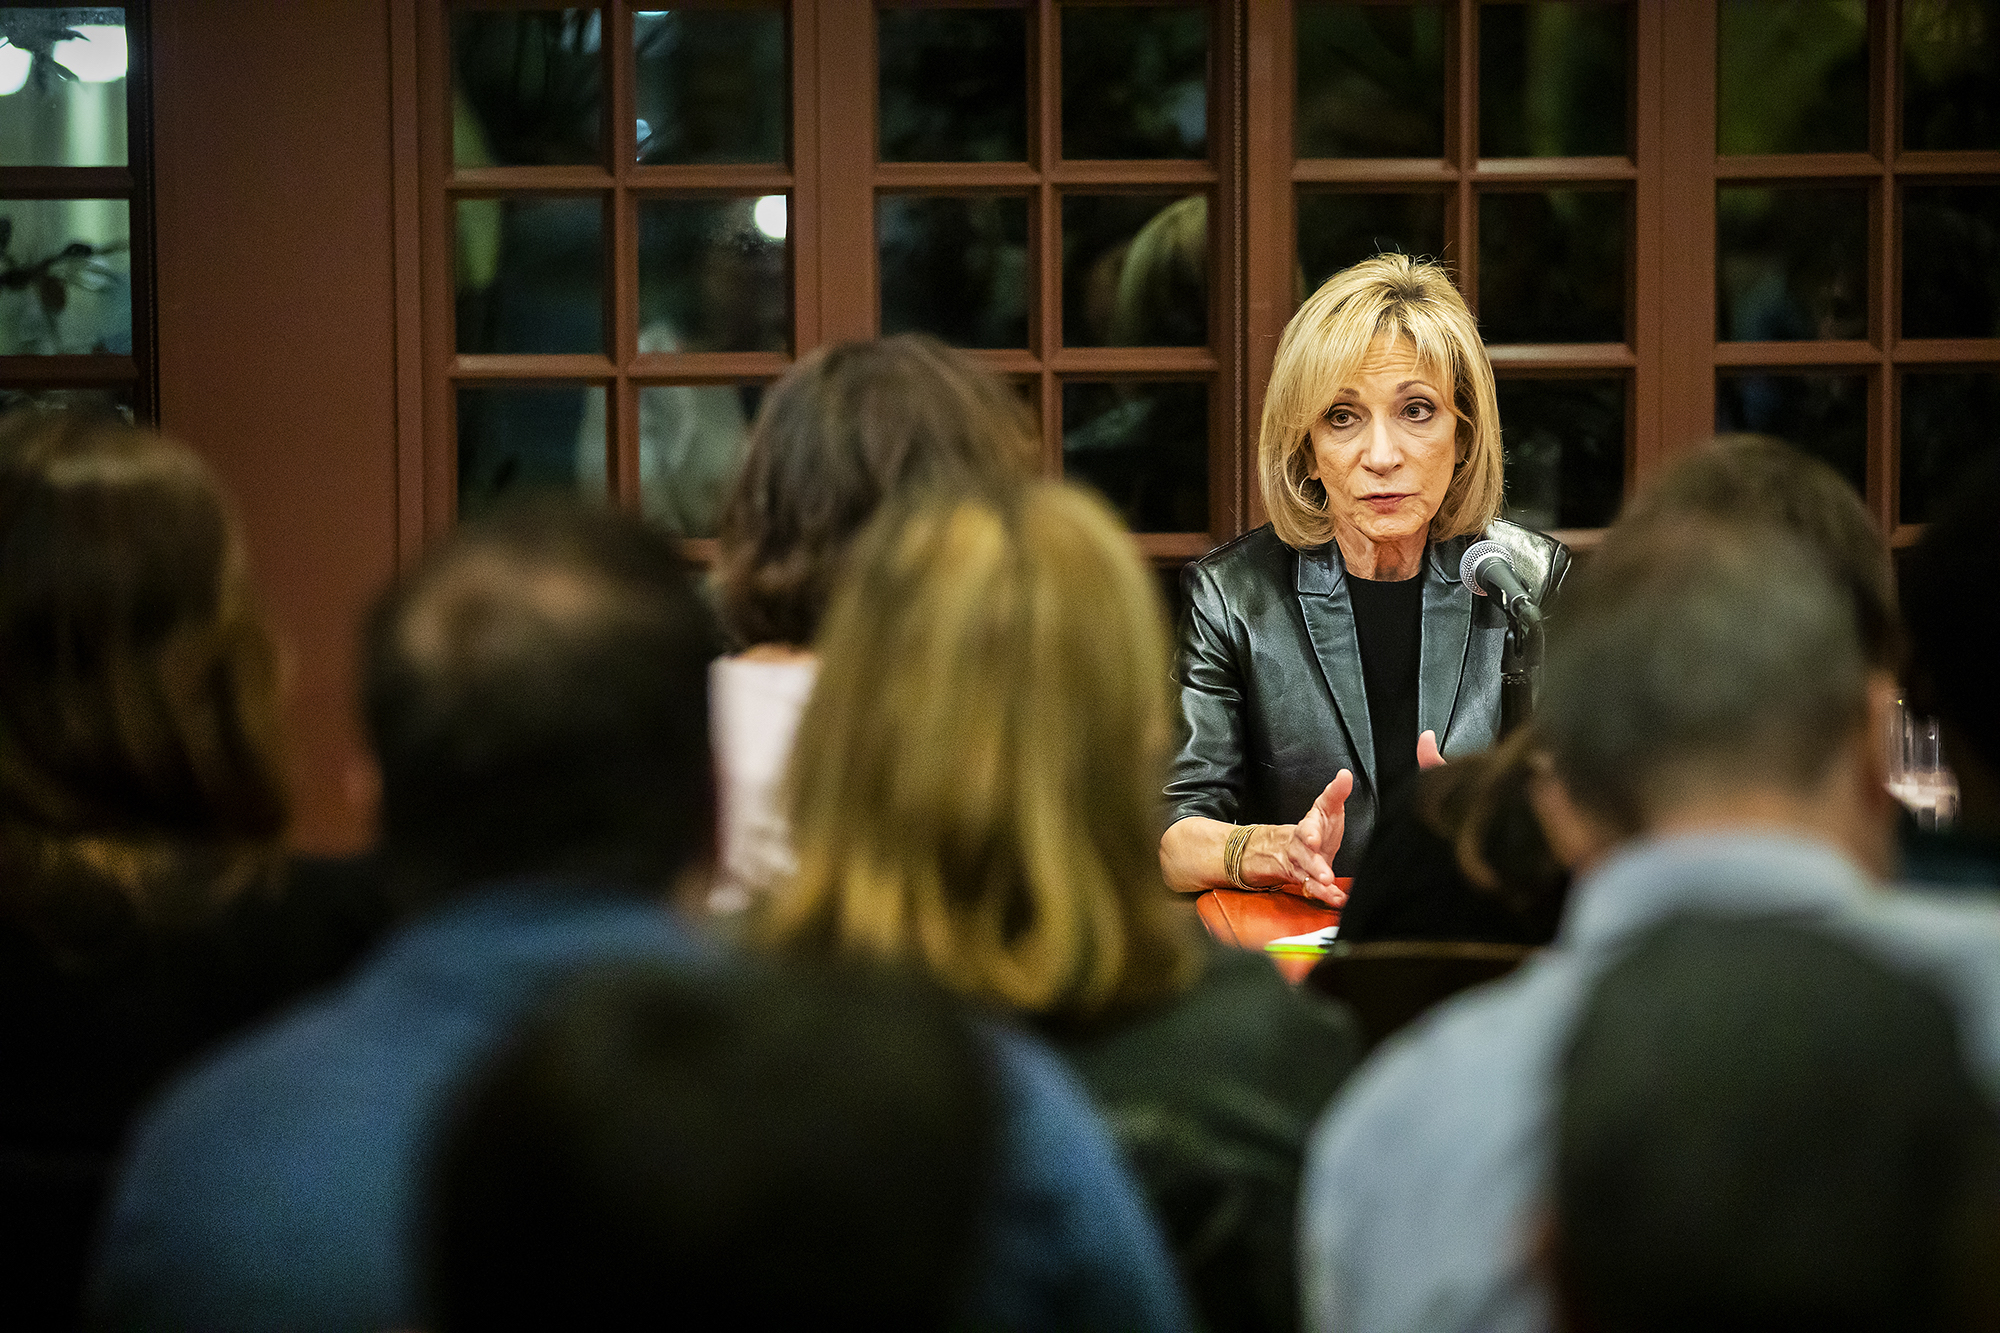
1232, 853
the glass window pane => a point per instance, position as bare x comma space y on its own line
1948, 423
1336, 229
1145, 446
1135, 82
62, 87
1951, 74
521, 440
954, 85
1792, 76
1951, 261
1135, 270
710, 85
690, 441
1552, 266
65, 276
1552, 80
1791, 263
714, 275
1371, 80
955, 266
530, 275
1824, 414
527, 87
1565, 443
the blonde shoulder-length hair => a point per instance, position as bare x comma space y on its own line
977, 775
1389, 296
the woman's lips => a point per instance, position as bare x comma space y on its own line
1385, 503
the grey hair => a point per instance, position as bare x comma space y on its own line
1691, 653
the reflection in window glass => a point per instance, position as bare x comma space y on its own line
527, 87
1135, 271
65, 276
62, 87
690, 441
710, 85
1135, 82
114, 401
713, 275
1792, 76
954, 85
1339, 229
1791, 263
1825, 415
1951, 74
1145, 446
530, 275
1552, 80
1552, 266
517, 441
1951, 261
955, 266
1948, 422
1565, 446
1371, 80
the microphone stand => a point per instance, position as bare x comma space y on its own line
1520, 659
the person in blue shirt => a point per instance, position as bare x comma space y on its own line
536, 696
1713, 721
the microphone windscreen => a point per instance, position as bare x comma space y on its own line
1476, 555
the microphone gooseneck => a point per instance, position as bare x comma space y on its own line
1488, 571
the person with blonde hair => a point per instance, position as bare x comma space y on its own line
976, 785
1328, 654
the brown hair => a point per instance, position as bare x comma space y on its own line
846, 428
977, 774
139, 733
1755, 478
1389, 296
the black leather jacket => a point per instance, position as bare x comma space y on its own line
1272, 703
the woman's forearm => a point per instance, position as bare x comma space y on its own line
1191, 855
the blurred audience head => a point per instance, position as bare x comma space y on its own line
1710, 670
1952, 641
1414, 302
978, 773
141, 769
803, 1150
845, 429
1761, 1128
1481, 805
1757, 479
537, 696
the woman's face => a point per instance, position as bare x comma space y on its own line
1385, 449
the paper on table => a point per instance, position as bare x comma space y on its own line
1313, 941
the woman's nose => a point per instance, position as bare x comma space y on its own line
1379, 451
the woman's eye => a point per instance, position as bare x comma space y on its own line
1419, 409
1340, 417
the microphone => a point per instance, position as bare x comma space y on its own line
1487, 571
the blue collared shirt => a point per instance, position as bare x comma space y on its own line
1425, 1180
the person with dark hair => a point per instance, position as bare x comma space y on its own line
536, 698
807, 1149
1461, 853
1759, 1126
1712, 720
147, 908
1953, 642
848, 427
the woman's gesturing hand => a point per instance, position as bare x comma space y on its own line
1309, 851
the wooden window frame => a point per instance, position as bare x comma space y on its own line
834, 180
133, 183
